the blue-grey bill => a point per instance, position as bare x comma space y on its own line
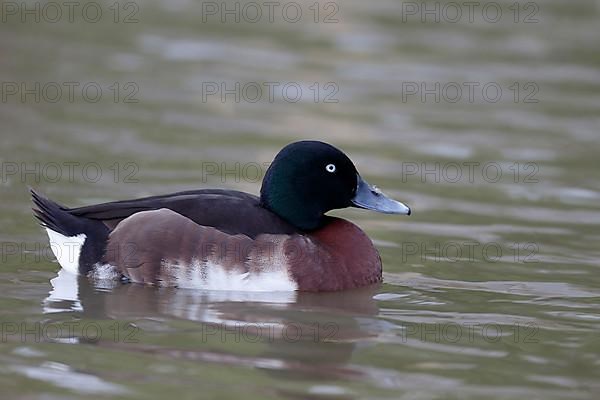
371, 198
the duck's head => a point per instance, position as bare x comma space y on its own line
309, 178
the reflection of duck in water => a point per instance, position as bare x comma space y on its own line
224, 239
312, 334
77, 293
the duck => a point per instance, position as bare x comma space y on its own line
217, 239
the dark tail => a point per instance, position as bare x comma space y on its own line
58, 219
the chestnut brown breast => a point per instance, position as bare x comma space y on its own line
164, 247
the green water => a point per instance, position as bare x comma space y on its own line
491, 286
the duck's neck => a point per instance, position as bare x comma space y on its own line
349, 259
280, 197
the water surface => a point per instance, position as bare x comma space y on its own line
491, 286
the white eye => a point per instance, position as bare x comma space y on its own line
330, 168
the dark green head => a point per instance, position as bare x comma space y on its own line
309, 178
